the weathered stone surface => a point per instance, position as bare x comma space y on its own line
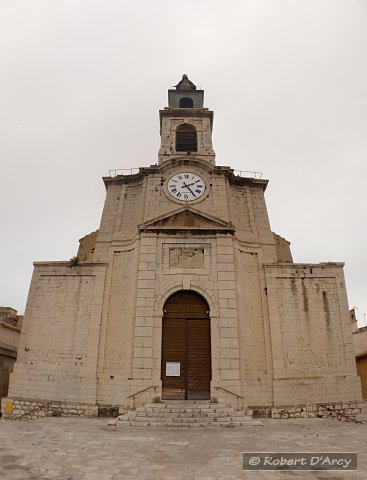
280, 331
257, 423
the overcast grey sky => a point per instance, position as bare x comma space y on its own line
82, 82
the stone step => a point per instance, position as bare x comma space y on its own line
187, 402
186, 414
175, 408
187, 419
183, 424
184, 409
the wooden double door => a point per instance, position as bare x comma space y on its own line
186, 351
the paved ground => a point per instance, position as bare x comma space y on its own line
88, 449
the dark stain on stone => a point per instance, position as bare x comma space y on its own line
305, 298
293, 286
326, 307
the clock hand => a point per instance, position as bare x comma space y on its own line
193, 183
188, 187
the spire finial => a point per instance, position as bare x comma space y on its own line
185, 85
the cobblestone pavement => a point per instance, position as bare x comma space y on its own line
88, 449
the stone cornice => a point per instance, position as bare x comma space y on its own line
305, 265
138, 177
11, 327
133, 178
239, 180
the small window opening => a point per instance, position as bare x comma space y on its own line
186, 139
186, 102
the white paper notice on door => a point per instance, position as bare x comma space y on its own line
173, 369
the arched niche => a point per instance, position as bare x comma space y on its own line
186, 138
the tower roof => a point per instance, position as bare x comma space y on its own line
185, 95
185, 85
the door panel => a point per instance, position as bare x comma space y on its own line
174, 341
186, 340
198, 359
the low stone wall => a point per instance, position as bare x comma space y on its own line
340, 411
14, 409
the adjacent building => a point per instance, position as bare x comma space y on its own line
10, 327
360, 349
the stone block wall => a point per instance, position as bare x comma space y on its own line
14, 409
58, 346
346, 412
311, 338
253, 327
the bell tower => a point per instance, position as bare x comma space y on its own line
185, 125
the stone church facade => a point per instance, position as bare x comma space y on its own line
184, 292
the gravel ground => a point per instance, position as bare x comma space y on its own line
88, 449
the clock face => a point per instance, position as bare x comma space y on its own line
186, 186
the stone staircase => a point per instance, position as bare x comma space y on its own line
184, 414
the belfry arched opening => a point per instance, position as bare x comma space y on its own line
186, 347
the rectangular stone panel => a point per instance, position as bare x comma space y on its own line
183, 257
186, 258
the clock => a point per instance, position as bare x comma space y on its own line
186, 186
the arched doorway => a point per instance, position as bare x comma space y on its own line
186, 349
